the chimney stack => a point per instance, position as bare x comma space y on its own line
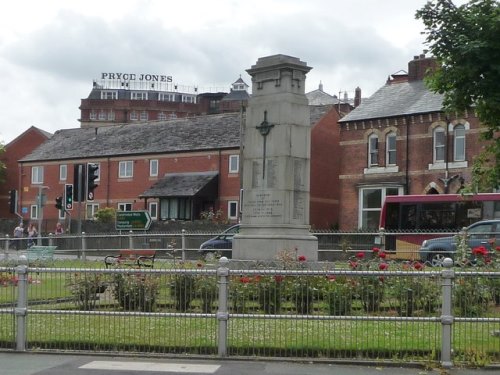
419, 67
357, 97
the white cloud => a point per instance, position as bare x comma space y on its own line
51, 51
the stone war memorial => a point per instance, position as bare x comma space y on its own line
276, 148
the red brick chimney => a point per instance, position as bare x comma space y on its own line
418, 67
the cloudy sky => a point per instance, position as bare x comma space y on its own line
52, 50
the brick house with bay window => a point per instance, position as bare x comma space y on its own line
399, 141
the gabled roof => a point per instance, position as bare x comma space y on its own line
397, 99
44, 133
221, 131
181, 184
319, 97
187, 134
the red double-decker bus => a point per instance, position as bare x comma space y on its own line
408, 220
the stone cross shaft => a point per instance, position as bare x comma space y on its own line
264, 128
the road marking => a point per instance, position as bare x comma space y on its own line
150, 366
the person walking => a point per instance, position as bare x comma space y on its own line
18, 235
32, 234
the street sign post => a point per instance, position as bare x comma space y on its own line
133, 220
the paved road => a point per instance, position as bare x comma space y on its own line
65, 364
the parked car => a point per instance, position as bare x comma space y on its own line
482, 233
223, 241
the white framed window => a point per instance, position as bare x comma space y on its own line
37, 175
166, 97
126, 169
232, 209
370, 204
90, 210
93, 115
111, 116
162, 116
234, 163
34, 211
103, 116
173, 115
124, 206
153, 210
372, 150
134, 116
109, 95
439, 144
144, 115
459, 143
139, 95
63, 172
390, 149
153, 167
188, 99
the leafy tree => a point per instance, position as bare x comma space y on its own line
466, 42
105, 215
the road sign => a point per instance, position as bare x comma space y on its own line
133, 220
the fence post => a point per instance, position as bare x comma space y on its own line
448, 274
183, 244
84, 246
51, 239
21, 309
222, 313
7, 245
130, 240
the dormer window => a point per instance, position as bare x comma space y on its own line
109, 95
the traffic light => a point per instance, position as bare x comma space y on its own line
92, 175
12, 201
59, 203
78, 181
68, 196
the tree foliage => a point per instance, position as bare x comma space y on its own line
466, 42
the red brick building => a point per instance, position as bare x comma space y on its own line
22, 145
399, 141
176, 169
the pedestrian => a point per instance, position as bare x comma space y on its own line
59, 229
32, 234
18, 235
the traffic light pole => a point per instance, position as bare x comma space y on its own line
80, 197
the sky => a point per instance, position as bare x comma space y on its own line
52, 50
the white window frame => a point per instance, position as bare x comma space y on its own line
162, 116
166, 97
373, 150
63, 172
93, 115
390, 150
126, 169
109, 95
362, 209
153, 167
139, 95
102, 115
144, 116
235, 204
111, 116
188, 99
134, 116
34, 211
124, 206
92, 208
438, 147
153, 210
459, 141
234, 163
37, 175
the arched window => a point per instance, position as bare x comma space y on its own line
390, 149
459, 143
439, 144
373, 150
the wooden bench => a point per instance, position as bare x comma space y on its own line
40, 253
132, 258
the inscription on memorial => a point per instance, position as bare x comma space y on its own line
264, 205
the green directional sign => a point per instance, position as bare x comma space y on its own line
133, 220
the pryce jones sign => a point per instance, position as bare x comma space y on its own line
136, 77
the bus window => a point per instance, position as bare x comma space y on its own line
437, 215
409, 216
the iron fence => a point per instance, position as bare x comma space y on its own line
320, 310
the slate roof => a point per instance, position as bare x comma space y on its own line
237, 95
221, 131
180, 184
187, 134
319, 97
397, 99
